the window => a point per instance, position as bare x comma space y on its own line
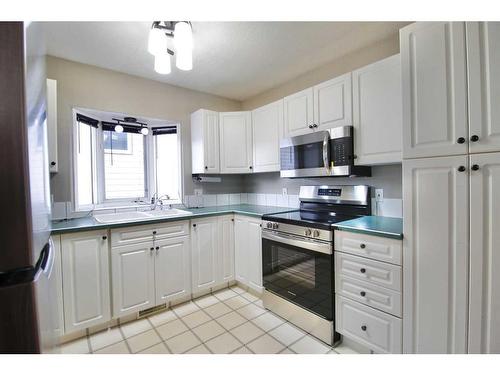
112, 169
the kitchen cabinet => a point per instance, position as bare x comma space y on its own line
298, 113
267, 128
484, 294
226, 248
52, 125
85, 279
172, 269
248, 252
205, 141
133, 278
235, 142
377, 112
204, 247
433, 66
333, 103
59, 295
483, 65
435, 254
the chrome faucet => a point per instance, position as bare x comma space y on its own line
155, 200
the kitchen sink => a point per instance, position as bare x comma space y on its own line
121, 217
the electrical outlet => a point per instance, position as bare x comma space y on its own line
379, 195
284, 191
198, 192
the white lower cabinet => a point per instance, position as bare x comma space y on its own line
248, 251
204, 246
85, 279
226, 248
133, 278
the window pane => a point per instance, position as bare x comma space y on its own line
167, 165
124, 174
116, 142
84, 164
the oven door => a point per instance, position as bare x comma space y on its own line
306, 155
299, 270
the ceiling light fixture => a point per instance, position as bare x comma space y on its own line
182, 34
119, 128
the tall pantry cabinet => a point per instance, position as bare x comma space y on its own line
451, 187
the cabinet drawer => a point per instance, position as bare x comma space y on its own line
144, 233
169, 230
378, 273
373, 247
368, 293
376, 330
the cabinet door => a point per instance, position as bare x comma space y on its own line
85, 273
132, 268
172, 269
435, 255
333, 103
58, 282
254, 257
205, 141
204, 246
52, 125
298, 113
226, 249
483, 64
377, 112
434, 89
236, 142
267, 127
241, 249
484, 300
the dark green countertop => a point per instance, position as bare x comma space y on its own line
390, 227
89, 223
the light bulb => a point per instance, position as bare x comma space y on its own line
144, 131
162, 63
157, 42
183, 41
119, 128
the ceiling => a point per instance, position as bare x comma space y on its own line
235, 60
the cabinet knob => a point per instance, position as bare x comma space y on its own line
315, 125
362, 245
104, 237
362, 294
362, 270
363, 328
157, 248
250, 167
194, 225
151, 248
461, 168
310, 126
475, 167
461, 140
52, 163
206, 167
232, 219
474, 138
154, 232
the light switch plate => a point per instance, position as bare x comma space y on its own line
284, 191
198, 192
379, 195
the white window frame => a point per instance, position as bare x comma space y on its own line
98, 191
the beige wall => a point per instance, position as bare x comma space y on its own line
81, 85
331, 70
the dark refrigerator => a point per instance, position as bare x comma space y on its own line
28, 307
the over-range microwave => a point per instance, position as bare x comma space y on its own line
327, 153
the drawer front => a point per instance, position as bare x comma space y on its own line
169, 230
131, 235
376, 330
372, 271
373, 247
368, 293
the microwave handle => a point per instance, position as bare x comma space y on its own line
326, 152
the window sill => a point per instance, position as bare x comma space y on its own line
117, 207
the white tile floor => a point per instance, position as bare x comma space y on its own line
228, 321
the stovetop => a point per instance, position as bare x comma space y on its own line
309, 219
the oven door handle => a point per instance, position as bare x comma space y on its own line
326, 153
314, 245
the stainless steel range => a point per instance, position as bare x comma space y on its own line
297, 256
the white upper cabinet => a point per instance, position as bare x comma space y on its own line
85, 275
267, 127
435, 255
484, 300
205, 141
298, 113
333, 103
204, 247
483, 54
52, 125
434, 89
235, 142
172, 269
377, 112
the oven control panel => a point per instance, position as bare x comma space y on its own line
298, 230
